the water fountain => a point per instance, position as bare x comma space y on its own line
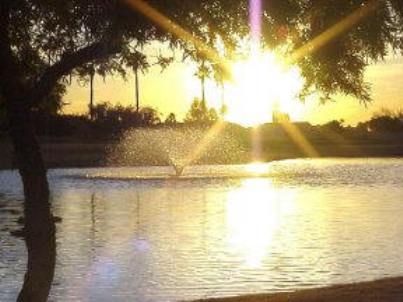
177, 147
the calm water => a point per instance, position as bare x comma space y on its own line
136, 234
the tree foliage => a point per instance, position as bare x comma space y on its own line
200, 113
368, 30
171, 119
42, 41
386, 121
128, 116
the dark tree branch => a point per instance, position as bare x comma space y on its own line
67, 63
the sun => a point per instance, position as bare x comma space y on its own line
260, 85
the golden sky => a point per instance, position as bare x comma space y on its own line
174, 89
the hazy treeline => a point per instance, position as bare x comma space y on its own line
77, 140
110, 121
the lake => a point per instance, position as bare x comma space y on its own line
138, 234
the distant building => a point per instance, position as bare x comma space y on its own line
280, 117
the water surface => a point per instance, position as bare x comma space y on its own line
138, 234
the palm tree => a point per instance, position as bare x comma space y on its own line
138, 62
202, 73
221, 75
86, 74
92, 76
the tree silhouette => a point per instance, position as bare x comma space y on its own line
202, 73
42, 42
110, 120
171, 119
92, 76
86, 74
138, 62
221, 76
200, 113
386, 121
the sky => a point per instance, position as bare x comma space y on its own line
173, 90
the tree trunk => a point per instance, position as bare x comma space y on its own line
92, 95
137, 89
39, 226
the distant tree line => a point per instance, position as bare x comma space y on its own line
385, 121
381, 122
109, 121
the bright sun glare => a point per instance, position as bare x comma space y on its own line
261, 85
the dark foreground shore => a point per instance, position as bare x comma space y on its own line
385, 290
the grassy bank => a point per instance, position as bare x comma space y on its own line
386, 290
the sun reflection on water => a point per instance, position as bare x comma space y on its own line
257, 168
254, 216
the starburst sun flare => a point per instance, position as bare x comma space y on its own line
263, 84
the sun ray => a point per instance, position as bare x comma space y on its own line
345, 24
205, 142
172, 27
299, 139
255, 11
260, 83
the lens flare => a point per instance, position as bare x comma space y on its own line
255, 19
263, 84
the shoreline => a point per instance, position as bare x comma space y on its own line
382, 290
95, 154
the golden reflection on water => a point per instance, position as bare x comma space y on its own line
255, 212
193, 237
257, 168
